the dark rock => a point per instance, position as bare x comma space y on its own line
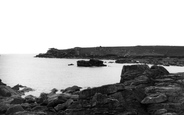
54, 100
1, 83
130, 72
12, 110
106, 89
90, 63
26, 89
64, 106
30, 99
66, 96
3, 108
71, 64
39, 108
72, 89
53, 92
17, 87
7, 91
42, 99
18, 100
154, 98
156, 71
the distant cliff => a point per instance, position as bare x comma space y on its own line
115, 52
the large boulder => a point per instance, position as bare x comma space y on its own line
130, 72
72, 89
17, 100
12, 110
154, 98
90, 63
6, 91
1, 83
156, 72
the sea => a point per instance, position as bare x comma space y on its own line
44, 74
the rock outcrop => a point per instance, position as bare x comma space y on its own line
142, 90
90, 63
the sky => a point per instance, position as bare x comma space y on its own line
33, 26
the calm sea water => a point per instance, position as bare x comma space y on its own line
44, 74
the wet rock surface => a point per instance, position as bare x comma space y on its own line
142, 90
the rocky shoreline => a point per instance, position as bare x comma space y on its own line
159, 55
142, 90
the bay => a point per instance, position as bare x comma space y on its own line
44, 74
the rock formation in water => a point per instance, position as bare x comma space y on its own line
90, 63
142, 90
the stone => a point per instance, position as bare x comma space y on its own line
39, 108
170, 90
30, 99
154, 98
156, 72
1, 83
106, 89
90, 63
54, 100
17, 100
17, 87
3, 108
6, 91
12, 110
65, 96
160, 112
130, 72
72, 89
42, 99
26, 89
64, 106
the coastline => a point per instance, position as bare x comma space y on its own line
142, 90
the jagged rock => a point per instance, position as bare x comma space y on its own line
156, 72
17, 87
168, 90
154, 98
106, 89
71, 64
64, 106
65, 96
160, 111
13, 109
7, 91
42, 99
54, 100
39, 108
30, 99
1, 83
130, 72
3, 108
72, 89
17, 100
26, 89
90, 63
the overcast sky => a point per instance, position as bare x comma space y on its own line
33, 26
